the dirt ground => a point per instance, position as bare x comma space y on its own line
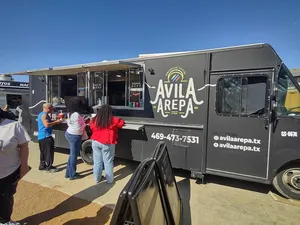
219, 201
48, 206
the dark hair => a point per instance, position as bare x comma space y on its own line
74, 105
2, 114
6, 115
104, 116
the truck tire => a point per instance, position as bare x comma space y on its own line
287, 181
86, 152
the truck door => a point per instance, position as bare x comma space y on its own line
238, 124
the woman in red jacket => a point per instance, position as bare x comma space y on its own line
104, 127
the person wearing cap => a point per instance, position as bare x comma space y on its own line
46, 141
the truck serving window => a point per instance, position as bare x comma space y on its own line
117, 81
13, 101
63, 88
241, 95
287, 97
121, 89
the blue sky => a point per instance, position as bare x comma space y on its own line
36, 34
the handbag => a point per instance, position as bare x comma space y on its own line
84, 135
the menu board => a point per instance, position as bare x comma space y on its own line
136, 84
147, 199
168, 180
97, 86
123, 210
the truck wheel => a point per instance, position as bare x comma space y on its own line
287, 182
86, 152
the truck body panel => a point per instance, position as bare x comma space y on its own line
181, 108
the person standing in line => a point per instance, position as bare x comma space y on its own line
46, 141
13, 163
104, 127
76, 128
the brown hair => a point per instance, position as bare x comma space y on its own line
104, 116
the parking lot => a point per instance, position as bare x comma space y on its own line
219, 201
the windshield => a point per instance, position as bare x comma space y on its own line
288, 96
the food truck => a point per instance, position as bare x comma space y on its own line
220, 111
293, 95
12, 92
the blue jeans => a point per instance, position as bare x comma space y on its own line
103, 154
74, 144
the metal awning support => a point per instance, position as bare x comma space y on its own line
81, 68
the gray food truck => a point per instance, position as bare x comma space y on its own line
12, 93
296, 74
221, 111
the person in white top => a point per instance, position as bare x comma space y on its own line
13, 163
76, 128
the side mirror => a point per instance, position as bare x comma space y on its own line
273, 111
273, 102
274, 115
273, 98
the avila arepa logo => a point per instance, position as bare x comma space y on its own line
176, 94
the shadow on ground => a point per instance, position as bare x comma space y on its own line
63, 166
102, 217
90, 194
240, 184
230, 182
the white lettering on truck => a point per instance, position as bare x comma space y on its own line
179, 102
237, 143
171, 98
4, 83
289, 134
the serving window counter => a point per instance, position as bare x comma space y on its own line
122, 89
121, 85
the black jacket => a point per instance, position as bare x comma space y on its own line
7, 115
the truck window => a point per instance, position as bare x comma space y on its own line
62, 88
13, 101
123, 89
116, 86
244, 95
287, 96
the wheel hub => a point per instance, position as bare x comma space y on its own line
89, 153
292, 178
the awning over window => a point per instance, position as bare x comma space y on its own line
80, 68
